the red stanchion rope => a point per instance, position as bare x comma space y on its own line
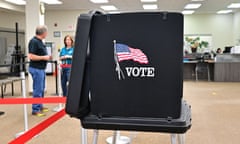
43, 125
33, 100
37, 129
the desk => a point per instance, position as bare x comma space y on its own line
219, 71
189, 70
227, 72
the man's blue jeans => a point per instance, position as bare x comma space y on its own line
65, 74
38, 76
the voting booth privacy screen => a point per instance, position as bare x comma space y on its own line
127, 65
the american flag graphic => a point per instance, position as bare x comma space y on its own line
124, 52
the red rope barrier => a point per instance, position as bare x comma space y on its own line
33, 100
37, 129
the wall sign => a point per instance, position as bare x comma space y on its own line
56, 34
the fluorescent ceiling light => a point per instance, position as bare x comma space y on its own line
51, 2
197, 0
99, 1
192, 6
108, 7
148, 0
114, 12
23, 2
234, 5
17, 2
150, 6
224, 11
185, 12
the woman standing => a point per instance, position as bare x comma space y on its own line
66, 62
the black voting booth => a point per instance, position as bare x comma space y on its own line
127, 73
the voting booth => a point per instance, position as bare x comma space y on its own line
127, 73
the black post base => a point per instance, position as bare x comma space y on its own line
1, 113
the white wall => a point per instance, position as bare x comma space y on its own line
236, 27
7, 28
225, 29
65, 20
219, 26
8, 20
66, 24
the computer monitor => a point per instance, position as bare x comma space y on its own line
227, 49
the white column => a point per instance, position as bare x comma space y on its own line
34, 17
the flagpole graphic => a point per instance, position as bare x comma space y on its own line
118, 68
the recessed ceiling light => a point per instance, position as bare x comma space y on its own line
51, 2
148, 0
99, 1
150, 6
108, 7
185, 12
224, 11
234, 5
17, 2
192, 6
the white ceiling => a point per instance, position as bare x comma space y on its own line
208, 6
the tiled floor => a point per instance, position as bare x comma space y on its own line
215, 112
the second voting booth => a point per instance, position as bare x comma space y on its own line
127, 73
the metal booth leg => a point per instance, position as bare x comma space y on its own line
173, 138
181, 138
84, 136
95, 136
116, 135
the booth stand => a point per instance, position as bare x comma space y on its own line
118, 139
115, 139
175, 127
127, 74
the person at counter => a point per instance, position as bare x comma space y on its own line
219, 51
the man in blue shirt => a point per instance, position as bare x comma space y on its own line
38, 60
66, 60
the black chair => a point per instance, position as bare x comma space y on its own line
202, 67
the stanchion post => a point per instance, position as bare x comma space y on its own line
23, 81
58, 87
56, 78
22, 74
